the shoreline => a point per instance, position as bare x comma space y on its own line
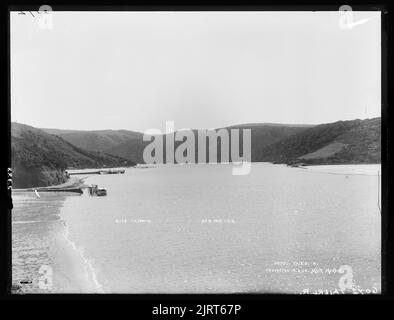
77, 181
85, 278
73, 271
72, 182
39, 220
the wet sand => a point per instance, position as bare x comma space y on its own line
44, 259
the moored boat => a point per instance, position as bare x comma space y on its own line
94, 190
101, 192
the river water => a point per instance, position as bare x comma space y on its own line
200, 229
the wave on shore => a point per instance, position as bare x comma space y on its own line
90, 271
41, 238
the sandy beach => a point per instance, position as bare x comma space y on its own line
44, 258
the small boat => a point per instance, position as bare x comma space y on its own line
101, 192
114, 171
94, 190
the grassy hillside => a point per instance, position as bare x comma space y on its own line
39, 158
262, 136
100, 140
131, 150
355, 141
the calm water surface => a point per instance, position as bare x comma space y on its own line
198, 228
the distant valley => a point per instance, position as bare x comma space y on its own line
41, 156
353, 141
130, 144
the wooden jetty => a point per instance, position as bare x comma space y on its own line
109, 171
84, 172
76, 190
44, 189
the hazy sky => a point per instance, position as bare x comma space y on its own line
125, 70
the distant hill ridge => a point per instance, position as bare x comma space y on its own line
40, 156
96, 140
131, 144
352, 141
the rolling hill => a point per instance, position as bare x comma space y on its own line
40, 158
264, 135
98, 140
341, 142
130, 145
354, 141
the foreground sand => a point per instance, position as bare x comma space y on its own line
41, 247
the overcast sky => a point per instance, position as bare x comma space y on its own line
135, 70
